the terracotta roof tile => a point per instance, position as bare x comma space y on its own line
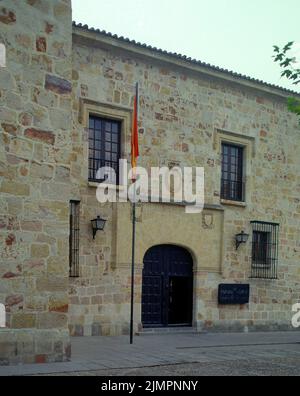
183, 57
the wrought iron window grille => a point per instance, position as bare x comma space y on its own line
74, 239
264, 250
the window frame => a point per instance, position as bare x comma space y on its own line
239, 183
102, 141
249, 144
120, 113
269, 268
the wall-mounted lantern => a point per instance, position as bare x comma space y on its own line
241, 238
98, 224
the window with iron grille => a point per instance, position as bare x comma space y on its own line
104, 147
264, 250
232, 183
74, 239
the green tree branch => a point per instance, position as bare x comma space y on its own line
287, 62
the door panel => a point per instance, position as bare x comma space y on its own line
151, 304
180, 300
167, 286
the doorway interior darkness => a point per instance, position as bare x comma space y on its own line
167, 291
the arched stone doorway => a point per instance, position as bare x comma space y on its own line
167, 289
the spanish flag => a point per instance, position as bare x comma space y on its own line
135, 136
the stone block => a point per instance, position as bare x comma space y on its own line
36, 303
7, 16
52, 284
58, 265
62, 174
25, 119
14, 188
24, 343
21, 149
58, 85
39, 250
14, 300
34, 267
23, 320
56, 191
41, 171
52, 320
10, 128
43, 345
6, 80
97, 300
27, 225
60, 119
59, 303
40, 135
41, 44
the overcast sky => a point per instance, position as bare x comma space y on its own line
233, 34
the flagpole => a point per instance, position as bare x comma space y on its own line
132, 269
133, 241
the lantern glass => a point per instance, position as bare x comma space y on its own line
244, 238
241, 238
98, 224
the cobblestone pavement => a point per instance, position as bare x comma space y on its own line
263, 367
178, 354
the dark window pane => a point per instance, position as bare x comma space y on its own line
92, 123
97, 124
232, 186
115, 128
97, 134
264, 250
102, 152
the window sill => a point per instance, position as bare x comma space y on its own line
233, 203
119, 187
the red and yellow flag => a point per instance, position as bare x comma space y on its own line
135, 135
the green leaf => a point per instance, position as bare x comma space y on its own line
287, 73
294, 105
288, 46
286, 62
294, 76
279, 57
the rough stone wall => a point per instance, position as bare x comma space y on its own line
180, 112
35, 181
44, 164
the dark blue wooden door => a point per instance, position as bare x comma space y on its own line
167, 291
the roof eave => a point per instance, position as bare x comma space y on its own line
179, 60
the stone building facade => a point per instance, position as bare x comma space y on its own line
57, 77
